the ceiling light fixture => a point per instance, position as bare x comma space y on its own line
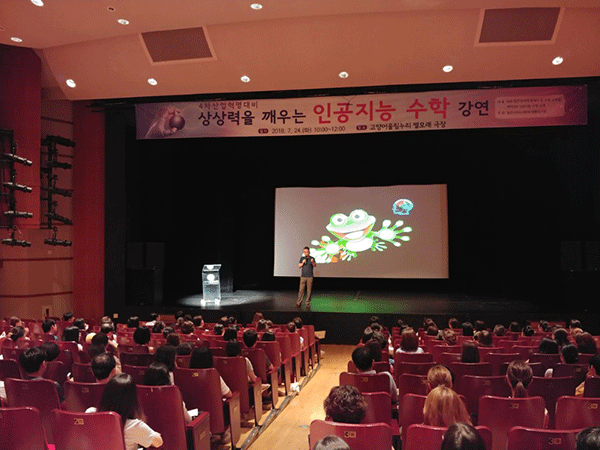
37, 2
256, 6
245, 79
558, 60
16, 39
152, 82
70, 83
123, 21
344, 75
448, 68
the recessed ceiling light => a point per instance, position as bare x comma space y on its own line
557, 61
152, 82
245, 79
256, 6
123, 21
37, 2
448, 68
70, 83
111, 8
344, 75
16, 39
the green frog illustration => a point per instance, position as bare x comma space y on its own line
354, 233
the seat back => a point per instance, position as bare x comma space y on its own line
82, 373
56, 371
378, 407
411, 412
550, 389
438, 349
9, 368
87, 431
577, 371
591, 387
21, 428
447, 358
500, 414
413, 357
473, 387
498, 359
378, 382
183, 361
522, 438
233, 371
547, 360
136, 359
577, 412
137, 372
409, 383
460, 369
272, 350
11, 352
81, 396
427, 437
201, 388
158, 402
370, 436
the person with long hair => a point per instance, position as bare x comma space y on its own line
120, 396
157, 374
202, 358
518, 377
409, 342
443, 407
439, 375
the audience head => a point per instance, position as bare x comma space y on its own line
449, 336
14, 321
589, 439
462, 436
71, 334
561, 336
268, 336
233, 348
467, 328
367, 335
570, 354
16, 333
409, 341
120, 396
439, 375
185, 348
331, 442
166, 354
362, 357
594, 370
586, 343
187, 327
250, 337
485, 338
261, 325
518, 376
142, 335
499, 330
469, 352
157, 374
229, 334
201, 358
51, 349
443, 407
514, 327
453, 323
345, 404
103, 366
548, 346
33, 361
218, 329
133, 322
49, 325
68, 317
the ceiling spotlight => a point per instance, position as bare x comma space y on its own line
111, 8
70, 83
123, 21
16, 39
448, 68
557, 61
37, 2
343, 75
152, 82
256, 6
245, 79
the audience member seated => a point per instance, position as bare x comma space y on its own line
345, 404
462, 436
363, 360
593, 372
104, 367
233, 348
250, 338
409, 342
561, 336
166, 354
157, 374
485, 339
443, 407
467, 328
518, 377
202, 358
469, 352
268, 336
439, 375
72, 334
120, 396
499, 330
589, 439
51, 349
568, 355
187, 327
142, 335
586, 344
331, 442
49, 328
548, 346
33, 362
449, 337
133, 322
229, 334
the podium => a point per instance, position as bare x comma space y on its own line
211, 284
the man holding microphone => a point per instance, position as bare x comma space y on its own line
307, 264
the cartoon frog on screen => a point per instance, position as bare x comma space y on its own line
354, 233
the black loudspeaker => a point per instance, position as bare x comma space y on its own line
592, 256
155, 255
144, 287
135, 255
571, 259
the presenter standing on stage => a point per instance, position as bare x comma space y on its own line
307, 264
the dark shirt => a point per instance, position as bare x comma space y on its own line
307, 269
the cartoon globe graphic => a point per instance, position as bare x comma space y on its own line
402, 207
